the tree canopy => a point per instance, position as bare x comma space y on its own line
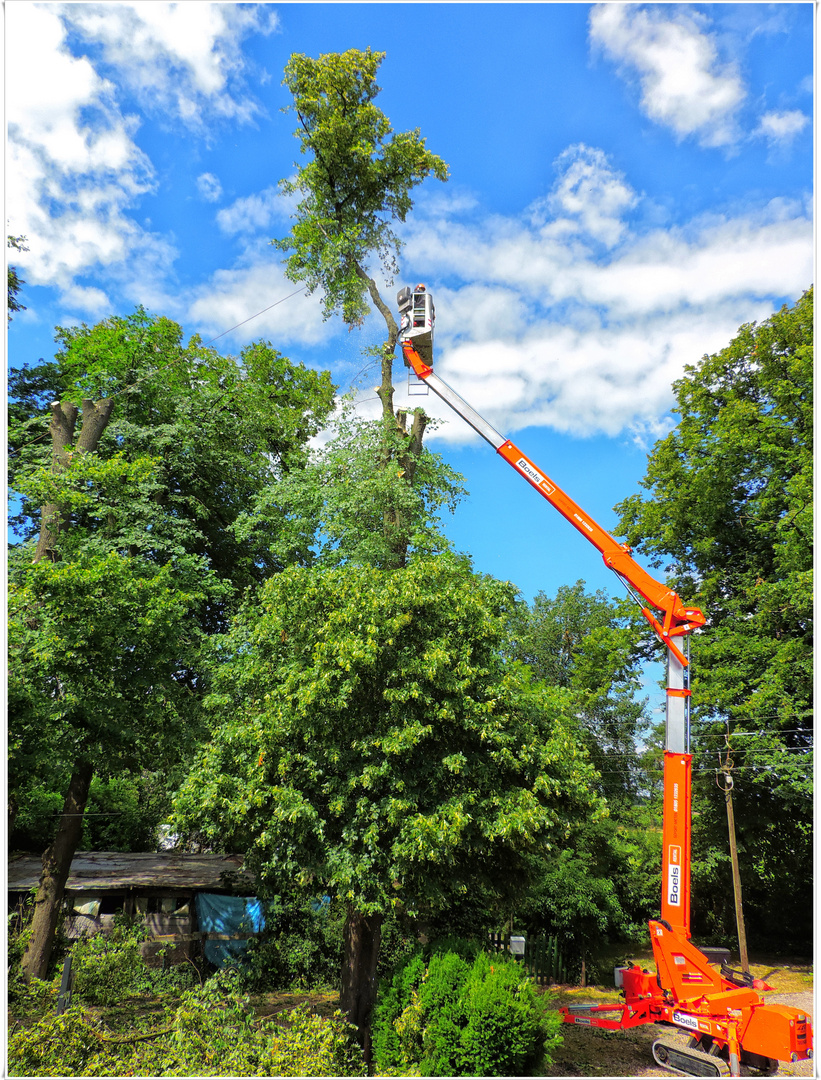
362, 498
218, 430
353, 188
591, 646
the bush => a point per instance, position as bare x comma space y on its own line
107, 968
393, 999
462, 1015
300, 947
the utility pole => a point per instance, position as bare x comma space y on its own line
727, 788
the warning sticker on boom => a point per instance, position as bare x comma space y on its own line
523, 465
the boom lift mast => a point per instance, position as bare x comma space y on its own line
728, 1022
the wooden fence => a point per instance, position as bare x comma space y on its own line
543, 959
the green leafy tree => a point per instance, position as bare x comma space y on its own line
174, 442
594, 648
729, 515
371, 742
219, 429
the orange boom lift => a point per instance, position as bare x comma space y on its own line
728, 1021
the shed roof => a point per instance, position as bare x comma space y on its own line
110, 870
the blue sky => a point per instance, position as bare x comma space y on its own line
628, 185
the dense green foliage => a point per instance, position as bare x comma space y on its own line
370, 740
197, 436
207, 1033
462, 1013
591, 646
104, 643
300, 946
354, 503
98, 650
730, 513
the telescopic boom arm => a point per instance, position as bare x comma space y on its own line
663, 609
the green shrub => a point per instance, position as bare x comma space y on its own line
442, 1004
393, 999
300, 947
463, 1016
109, 967
504, 1020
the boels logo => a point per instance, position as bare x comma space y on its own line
674, 875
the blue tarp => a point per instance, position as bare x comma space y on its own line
228, 915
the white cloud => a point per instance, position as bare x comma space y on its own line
179, 59
533, 330
684, 85
782, 127
253, 213
209, 187
87, 300
73, 168
590, 194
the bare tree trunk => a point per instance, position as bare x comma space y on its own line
362, 939
53, 518
385, 390
56, 865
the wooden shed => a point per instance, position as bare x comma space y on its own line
159, 887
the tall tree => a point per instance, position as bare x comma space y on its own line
354, 187
175, 441
373, 742
729, 513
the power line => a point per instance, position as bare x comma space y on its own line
251, 317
